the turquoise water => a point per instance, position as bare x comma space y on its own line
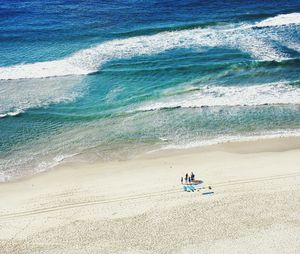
109, 80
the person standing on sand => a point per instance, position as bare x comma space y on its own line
186, 177
192, 176
181, 180
189, 179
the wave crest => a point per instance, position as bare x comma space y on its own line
12, 113
280, 20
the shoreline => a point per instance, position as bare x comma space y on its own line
226, 144
129, 206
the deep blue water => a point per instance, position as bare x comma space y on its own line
110, 79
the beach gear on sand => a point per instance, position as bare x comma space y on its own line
197, 187
208, 193
189, 188
192, 187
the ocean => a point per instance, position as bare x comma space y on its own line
109, 80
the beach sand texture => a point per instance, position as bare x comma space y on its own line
138, 206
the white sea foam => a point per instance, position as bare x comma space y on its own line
233, 138
210, 96
16, 96
61, 157
4, 177
280, 20
242, 37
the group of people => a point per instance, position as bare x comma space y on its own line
187, 178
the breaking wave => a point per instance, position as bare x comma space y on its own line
258, 43
280, 20
13, 113
210, 96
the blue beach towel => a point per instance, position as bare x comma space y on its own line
189, 188
208, 193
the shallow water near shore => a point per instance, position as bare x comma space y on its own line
120, 78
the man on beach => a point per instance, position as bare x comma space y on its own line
192, 176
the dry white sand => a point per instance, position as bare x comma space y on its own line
138, 206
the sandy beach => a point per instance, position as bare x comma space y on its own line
138, 206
